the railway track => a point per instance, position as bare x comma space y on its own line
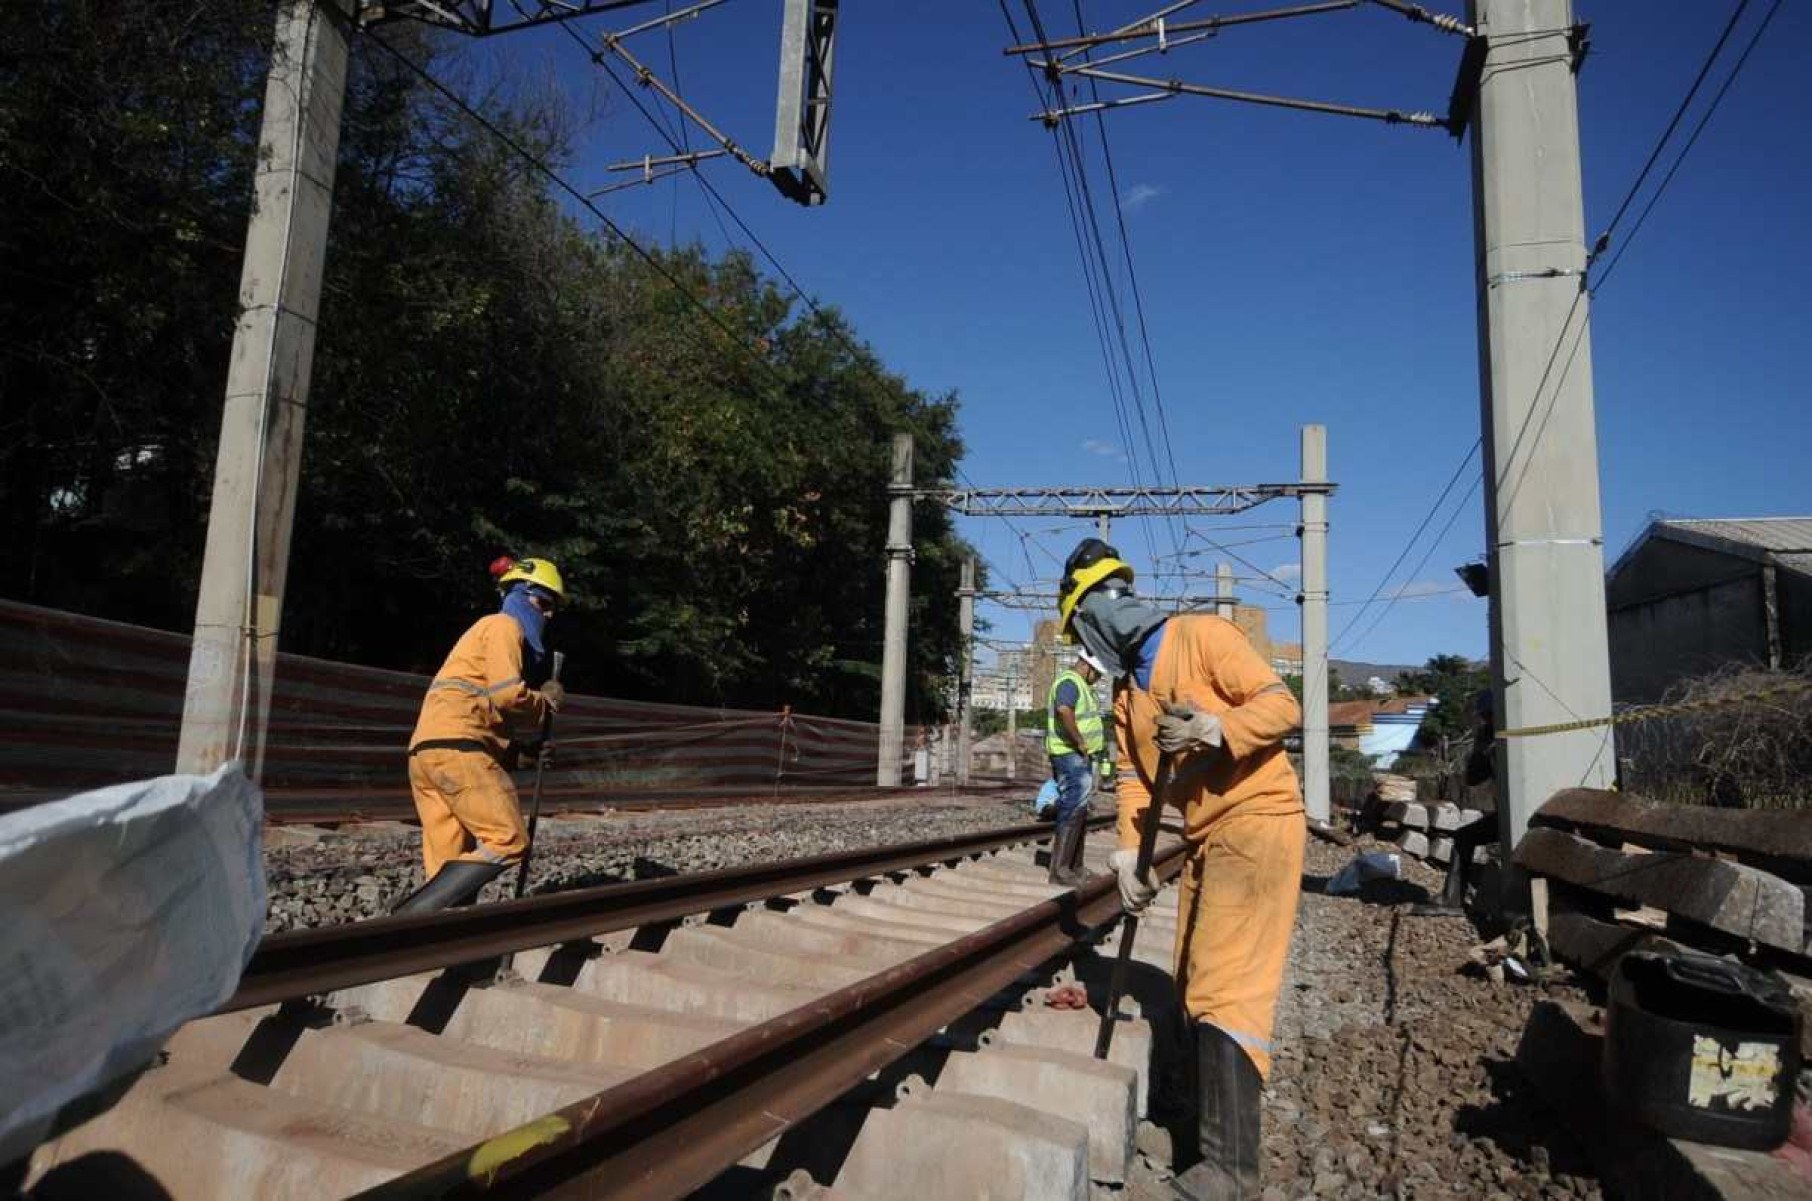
871, 1022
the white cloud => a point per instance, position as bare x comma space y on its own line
1424, 590
1289, 571
1106, 450
1140, 195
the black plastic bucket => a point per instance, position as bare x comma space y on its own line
1702, 1048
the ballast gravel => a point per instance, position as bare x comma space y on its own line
324, 877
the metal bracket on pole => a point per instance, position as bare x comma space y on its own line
1390, 116
800, 164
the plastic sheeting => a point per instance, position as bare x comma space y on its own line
123, 913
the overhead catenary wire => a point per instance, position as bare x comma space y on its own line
1403, 554
1085, 224
716, 202
1590, 287
1654, 155
1399, 593
545, 170
1132, 280
1704, 120
541, 167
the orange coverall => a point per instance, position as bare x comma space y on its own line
1242, 816
466, 801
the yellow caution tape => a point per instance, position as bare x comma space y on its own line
1649, 712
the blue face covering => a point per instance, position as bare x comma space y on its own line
533, 622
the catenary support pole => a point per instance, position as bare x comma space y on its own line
1013, 717
899, 590
1315, 624
232, 660
965, 688
1223, 590
1549, 658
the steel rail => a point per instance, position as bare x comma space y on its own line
319, 807
305, 963
670, 1131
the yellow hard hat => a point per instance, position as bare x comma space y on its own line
1077, 584
536, 571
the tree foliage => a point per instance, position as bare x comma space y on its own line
491, 376
1453, 681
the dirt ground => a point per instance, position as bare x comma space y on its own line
1394, 1073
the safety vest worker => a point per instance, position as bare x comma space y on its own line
1089, 721
1074, 738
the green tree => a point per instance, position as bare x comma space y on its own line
1453, 681
490, 376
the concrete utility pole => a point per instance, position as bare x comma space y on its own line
233, 658
1013, 718
965, 689
1315, 623
899, 591
1543, 531
1223, 589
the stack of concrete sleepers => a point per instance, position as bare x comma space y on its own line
1425, 828
1611, 874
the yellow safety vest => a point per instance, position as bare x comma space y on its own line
1088, 720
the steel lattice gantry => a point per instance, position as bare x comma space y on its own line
480, 18
1188, 501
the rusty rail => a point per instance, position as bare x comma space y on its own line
672, 1130
326, 807
308, 962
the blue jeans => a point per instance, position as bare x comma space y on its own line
1075, 776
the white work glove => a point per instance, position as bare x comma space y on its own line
1136, 888
1184, 728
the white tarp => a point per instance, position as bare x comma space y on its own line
124, 912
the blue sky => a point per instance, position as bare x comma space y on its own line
1294, 268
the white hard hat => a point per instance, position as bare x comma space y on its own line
1089, 658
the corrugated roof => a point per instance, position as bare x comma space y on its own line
1782, 535
1783, 541
1357, 714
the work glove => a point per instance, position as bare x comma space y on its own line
1185, 728
554, 693
1136, 888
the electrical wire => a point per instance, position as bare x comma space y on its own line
1566, 324
1420, 563
1661, 188
1679, 112
1072, 169
1403, 554
542, 168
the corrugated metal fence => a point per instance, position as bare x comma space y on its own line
89, 702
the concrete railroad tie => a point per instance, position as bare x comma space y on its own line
1007, 1101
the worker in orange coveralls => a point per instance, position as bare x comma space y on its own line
479, 711
1192, 686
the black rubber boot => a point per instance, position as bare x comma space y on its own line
1076, 868
456, 883
1066, 850
1227, 1090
